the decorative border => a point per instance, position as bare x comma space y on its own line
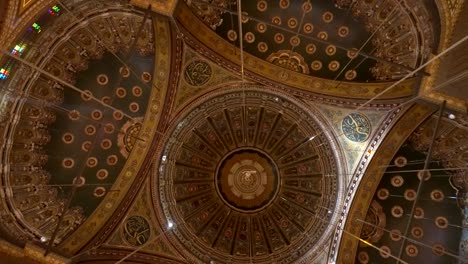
200, 48
140, 151
31, 252
366, 179
287, 77
113, 255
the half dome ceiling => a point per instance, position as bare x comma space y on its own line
362, 41
65, 141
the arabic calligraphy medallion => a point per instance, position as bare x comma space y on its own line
197, 73
356, 127
136, 230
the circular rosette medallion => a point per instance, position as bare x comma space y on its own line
127, 139
247, 180
250, 176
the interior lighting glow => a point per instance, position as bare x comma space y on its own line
55, 10
18, 49
37, 27
4, 73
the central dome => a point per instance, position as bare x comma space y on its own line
245, 176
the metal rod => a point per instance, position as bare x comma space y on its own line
402, 196
241, 37
439, 86
75, 186
306, 36
426, 166
57, 185
141, 247
442, 169
456, 44
42, 102
406, 237
449, 224
107, 48
329, 210
412, 240
86, 251
398, 259
297, 33
69, 85
70, 198
365, 43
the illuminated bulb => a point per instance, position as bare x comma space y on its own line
43, 239
164, 158
170, 224
451, 116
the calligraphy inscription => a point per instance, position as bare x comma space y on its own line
356, 127
197, 73
136, 230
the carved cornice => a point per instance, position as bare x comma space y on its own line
112, 255
30, 253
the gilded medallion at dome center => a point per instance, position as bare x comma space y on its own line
247, 180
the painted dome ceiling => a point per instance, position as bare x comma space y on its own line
361, 41
134, 136
74, 141
250, 176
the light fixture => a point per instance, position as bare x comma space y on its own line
451, 116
